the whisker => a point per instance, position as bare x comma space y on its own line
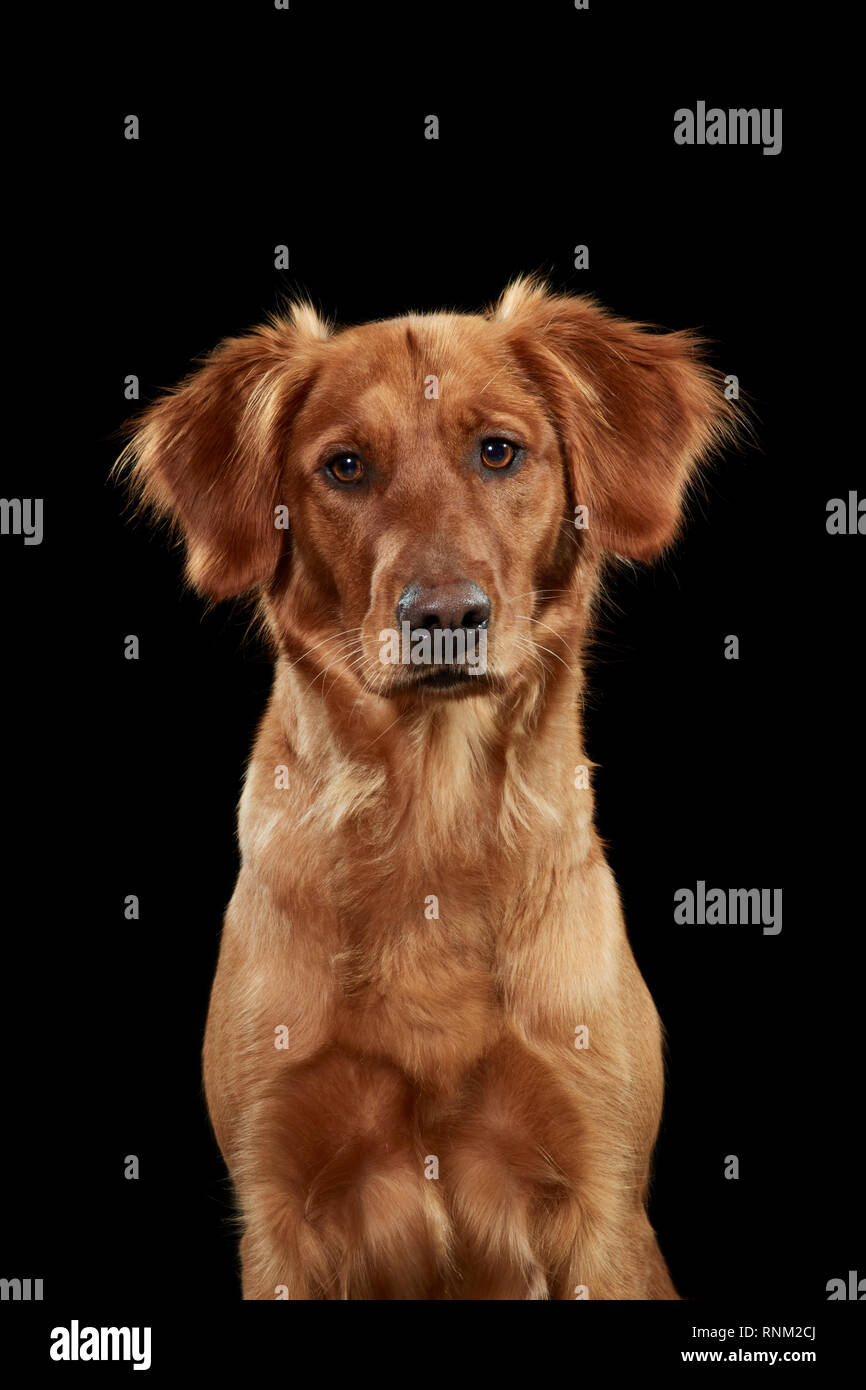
538, 647
331, 638
385, 731
320, 675
536, 593
549, 629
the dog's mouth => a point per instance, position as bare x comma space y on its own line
455, 679
434, 660
446, 678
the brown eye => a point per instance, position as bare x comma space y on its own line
497, 453
346, 468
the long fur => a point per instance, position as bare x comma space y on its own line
424, 911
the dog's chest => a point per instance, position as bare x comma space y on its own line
417, 988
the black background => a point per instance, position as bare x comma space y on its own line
258, 128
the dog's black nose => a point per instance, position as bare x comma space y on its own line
449, 606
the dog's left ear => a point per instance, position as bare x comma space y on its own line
637, 411
210, 455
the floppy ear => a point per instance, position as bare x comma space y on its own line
637, 411
210, 454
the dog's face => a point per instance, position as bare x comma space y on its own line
428, 495
430, 467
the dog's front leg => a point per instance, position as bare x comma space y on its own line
330, 1179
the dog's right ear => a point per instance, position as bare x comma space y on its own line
210, 455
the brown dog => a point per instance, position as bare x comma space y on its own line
431, 1063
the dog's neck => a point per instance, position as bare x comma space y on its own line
488, 766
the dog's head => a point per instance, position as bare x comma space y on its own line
409, 497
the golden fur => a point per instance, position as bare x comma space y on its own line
414, 1037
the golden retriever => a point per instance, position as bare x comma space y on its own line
431, 1063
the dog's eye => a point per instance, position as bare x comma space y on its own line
497, 453
346, 468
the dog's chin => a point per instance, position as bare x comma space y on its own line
442, 682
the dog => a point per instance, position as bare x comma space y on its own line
431, 1064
